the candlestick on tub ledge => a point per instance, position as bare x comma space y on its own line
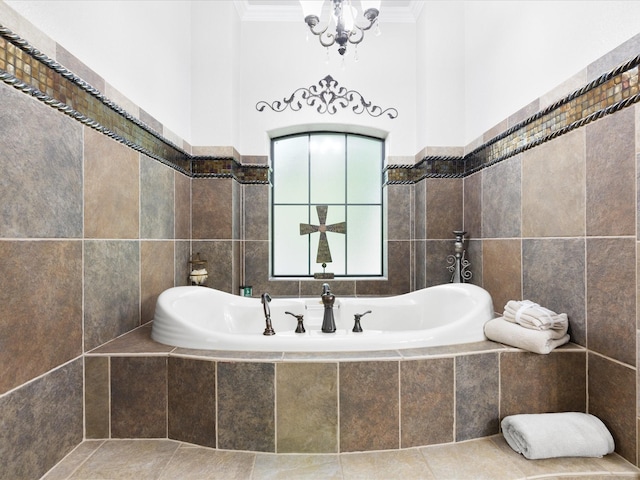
199, 274
458, 265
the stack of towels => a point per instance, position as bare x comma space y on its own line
529, 326
551, 435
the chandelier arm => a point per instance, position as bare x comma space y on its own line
330, 38
356, 35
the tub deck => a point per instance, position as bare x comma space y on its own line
327, 402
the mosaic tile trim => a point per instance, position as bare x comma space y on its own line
32, 72
605, 95
229, 168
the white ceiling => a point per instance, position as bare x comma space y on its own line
291, 11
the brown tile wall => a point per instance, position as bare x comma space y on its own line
89, 231
432, 396
94, 218
558, 226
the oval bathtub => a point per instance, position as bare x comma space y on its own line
209, 319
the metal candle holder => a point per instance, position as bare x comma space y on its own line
458, 265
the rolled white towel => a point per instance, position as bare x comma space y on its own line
536, 341
531, 315
550, 435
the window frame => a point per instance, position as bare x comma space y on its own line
311, 255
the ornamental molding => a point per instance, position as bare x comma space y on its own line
327, 97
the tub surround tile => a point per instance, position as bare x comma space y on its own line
212, 208
611, 298
227, 355
343, 356
368, 406
246, 400
182, 220
33, 204
156, 277
449, 350
138, 397
192, 401
419, 264
111, 279
33, 439
554, 276
399, 212
256, 212
157, 199
502, 271
111, 188
501, 199
220, 262
437, 252
477, 405
42, 329
96, 397
182, 255
554, 171
420, 210
427, 399
611, 380
611, 192
137, 341
472, 203
307, 408
444, 202
474, 255
532, 383
339, 287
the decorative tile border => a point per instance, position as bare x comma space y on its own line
29, 70
607, 94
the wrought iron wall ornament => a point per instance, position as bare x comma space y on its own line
327, 97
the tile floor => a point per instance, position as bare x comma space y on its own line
486, 458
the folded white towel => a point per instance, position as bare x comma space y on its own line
531, 315
550, 435
536, 341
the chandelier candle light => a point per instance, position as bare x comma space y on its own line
343, 20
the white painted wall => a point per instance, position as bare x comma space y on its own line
215, 60
440, 75
276, 60
131, 44
516, 51
466, 67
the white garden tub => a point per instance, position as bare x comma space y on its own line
205, 318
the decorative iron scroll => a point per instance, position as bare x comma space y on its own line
327, 97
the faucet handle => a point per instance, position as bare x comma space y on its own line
300, 318
356, 318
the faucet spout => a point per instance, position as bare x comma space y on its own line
328, 321
265, 299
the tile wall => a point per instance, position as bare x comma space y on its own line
91, 231
325, 403
558, 226
87, 220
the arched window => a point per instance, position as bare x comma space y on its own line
327, 205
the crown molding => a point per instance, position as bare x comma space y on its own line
292, 12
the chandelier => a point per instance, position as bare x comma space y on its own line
343, 20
